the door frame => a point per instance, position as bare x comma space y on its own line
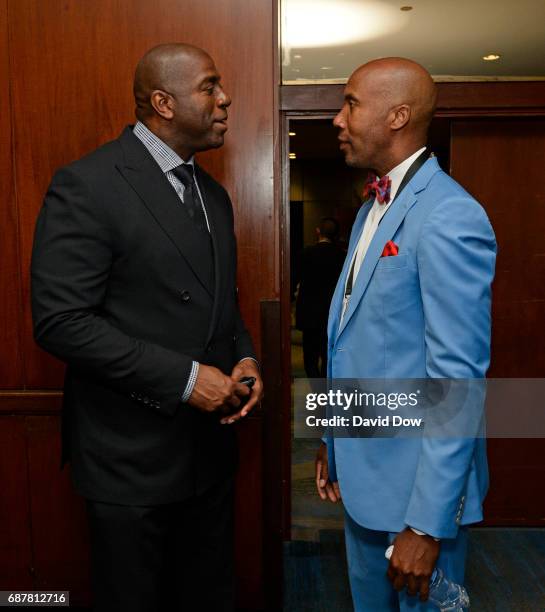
455, 100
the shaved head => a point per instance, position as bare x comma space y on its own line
398, 81
164, 67
389, 104
180, 98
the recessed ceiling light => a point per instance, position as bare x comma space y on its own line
293, 156
406, 8
491, 57
291, 133
327, 67
297, 56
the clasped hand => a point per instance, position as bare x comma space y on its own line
216, 392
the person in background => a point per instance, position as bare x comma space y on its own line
320, 267
133, 287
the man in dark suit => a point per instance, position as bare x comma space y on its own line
134, 287
320, 269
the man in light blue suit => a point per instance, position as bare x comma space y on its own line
413, 301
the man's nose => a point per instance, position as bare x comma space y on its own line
224, 99
338, 121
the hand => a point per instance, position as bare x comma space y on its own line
326, 488
412, 562
246, 367
215, 392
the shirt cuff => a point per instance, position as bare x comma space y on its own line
421, 533
254, 360
191, 382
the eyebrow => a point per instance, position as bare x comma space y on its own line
350, 96
212, 78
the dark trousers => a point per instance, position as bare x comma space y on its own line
170, 558
315, 352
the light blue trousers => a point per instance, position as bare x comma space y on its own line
371, 589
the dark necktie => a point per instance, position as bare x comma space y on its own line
184, 173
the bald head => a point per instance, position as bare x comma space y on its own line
399, 81
165, 67
180, 98
388, 106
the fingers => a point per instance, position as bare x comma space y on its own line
326, 489
415, 585
320, 482
242, 390
399, 581
256, 396
412, 585
424, 589
332, 496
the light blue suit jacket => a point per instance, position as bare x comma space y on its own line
423, 313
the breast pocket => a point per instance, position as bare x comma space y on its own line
397, 284
394, 262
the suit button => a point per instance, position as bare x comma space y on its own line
185, 296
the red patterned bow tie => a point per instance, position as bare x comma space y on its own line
380, 188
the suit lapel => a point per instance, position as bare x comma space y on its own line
386, 229
148, 181
218, 222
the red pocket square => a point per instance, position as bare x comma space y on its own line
390, 249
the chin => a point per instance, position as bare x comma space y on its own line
216, 142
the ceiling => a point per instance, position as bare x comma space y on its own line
325, 40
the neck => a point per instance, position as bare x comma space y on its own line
395, 156
173, 141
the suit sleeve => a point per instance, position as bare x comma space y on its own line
71, 258
456, 258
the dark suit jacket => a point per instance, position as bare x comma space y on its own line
320, 268
119, 293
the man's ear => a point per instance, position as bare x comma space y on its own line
400, 116
162, 103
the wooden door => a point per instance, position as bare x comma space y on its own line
500, 162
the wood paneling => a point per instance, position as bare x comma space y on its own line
11, 371
72, 82
454, 99
59, 530
276, 457
66, 71
15, 543
500, 162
